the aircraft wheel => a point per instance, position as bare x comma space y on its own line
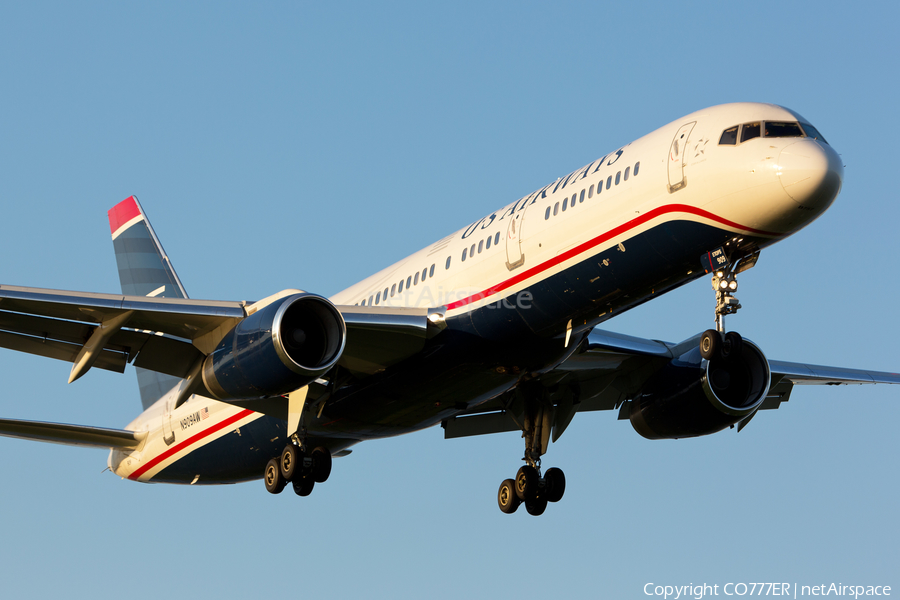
507, 498
291, 459
303, 486
321, 464
527, 482
732, 345
710, 342
536, 507
555, 482
275, 482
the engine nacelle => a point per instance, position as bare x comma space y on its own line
276, 350
690, 397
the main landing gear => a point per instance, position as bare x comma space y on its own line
299, 465
529, 486
302, 468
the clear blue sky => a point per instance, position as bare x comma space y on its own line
311, 144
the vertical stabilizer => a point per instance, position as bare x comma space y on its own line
144, 270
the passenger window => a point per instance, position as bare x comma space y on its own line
370, 300
416, 280
408, 280
465, 252
393, 289
384, 295
812, 132
400, 287
637, 166
363, 302
618, 175
572, 201
591, 192
480, 246
565, 201
627, 170
729, 137
472, 250
446, 266
431, 271
425, 270
497, 238
488, 245
749, 131
547, 213
556, 209
609, 182
581, 197
378, 298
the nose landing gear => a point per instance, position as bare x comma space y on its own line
715, 342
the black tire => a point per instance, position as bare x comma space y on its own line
291, 462
527, 482
710, 344
273, 478
321, 464
303, 486
536, 507
555, 484
735, 342
507, 498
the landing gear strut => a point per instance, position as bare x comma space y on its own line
715, 342
299, 465
529, 486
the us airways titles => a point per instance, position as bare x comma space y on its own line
522, 203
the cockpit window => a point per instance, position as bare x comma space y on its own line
782, 129
750, 131
729, 137
812, 132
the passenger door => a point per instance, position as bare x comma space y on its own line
515, 256
677, 180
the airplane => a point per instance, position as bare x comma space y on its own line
493, 328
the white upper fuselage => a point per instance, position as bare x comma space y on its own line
742, 187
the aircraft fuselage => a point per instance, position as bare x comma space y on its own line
521, 286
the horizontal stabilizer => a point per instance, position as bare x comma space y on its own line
72, 435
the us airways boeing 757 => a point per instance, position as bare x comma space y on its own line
493, 328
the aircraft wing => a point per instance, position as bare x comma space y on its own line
73, 435
169, 335
609, 368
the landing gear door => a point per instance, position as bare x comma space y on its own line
515, 256
677, 180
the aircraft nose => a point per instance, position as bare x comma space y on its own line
811, 173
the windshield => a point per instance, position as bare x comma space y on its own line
812, 132
782, 129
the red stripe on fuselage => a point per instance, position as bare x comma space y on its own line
121, 213
191, 440
625, 227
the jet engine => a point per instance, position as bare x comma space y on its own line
691, 396
276, 350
